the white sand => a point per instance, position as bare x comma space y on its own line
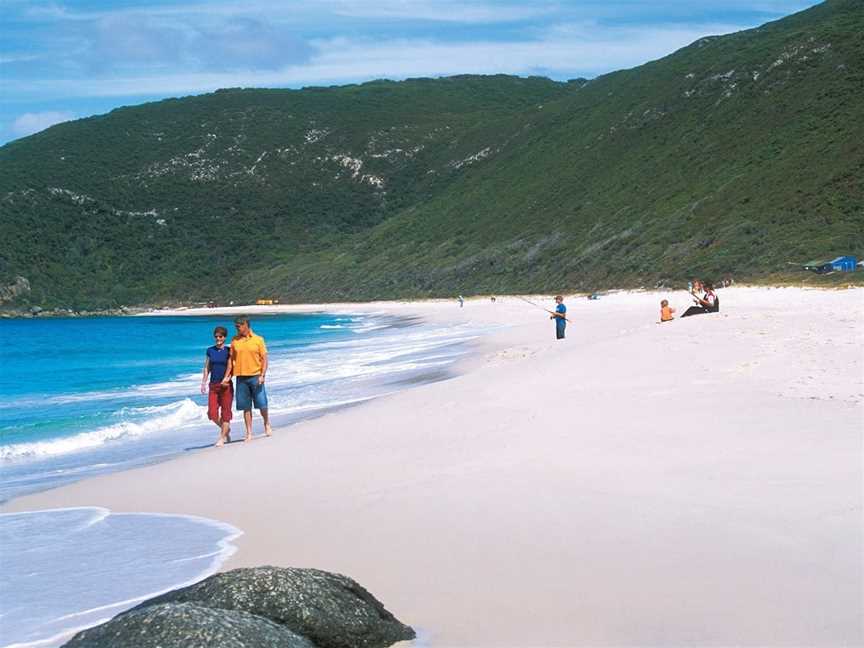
697, 482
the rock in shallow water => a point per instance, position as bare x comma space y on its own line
186, 625
330, 610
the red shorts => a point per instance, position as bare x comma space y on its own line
219, 402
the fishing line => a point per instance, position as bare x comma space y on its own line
528, 301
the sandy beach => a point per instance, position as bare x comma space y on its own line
697, 482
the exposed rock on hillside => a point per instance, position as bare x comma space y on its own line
19, 288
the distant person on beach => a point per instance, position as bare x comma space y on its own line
461, 301
707, 303
249, 366
220, 391
560, 317
666, 311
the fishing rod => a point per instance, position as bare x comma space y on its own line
528, 301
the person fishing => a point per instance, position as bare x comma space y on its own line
559, 314
707, 303
560, 317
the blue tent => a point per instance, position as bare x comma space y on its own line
844, 264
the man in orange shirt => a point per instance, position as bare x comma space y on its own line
249, 366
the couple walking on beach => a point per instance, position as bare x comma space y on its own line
245, 360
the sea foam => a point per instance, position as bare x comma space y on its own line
150, 420
68, 569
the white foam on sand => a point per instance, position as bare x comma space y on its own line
69, 569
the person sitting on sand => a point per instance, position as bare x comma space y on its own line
249, 366
708, 303
560, 317
666, 311
694, 287
221, 391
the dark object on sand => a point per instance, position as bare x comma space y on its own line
190, 626
330, 610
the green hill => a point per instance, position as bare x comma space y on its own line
736, 154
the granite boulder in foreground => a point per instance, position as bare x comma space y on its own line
260, 606
187, 624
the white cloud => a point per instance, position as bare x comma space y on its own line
577, 49
16, 58
441, 10
30, 123
465, 11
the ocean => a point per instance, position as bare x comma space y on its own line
82, 397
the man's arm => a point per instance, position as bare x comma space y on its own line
263, 367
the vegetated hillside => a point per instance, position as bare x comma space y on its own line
734, 155
177, 199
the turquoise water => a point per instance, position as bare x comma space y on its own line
82, 397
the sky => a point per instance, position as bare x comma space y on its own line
66, 60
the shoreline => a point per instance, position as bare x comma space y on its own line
832, 281
162, 417
94, 615
558, 493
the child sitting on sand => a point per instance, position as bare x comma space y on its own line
666, 311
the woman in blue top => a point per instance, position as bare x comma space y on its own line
560, 317
221, 391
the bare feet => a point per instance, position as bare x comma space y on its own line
247, 439
268, 430
219, 442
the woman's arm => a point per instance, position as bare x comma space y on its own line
205, 374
